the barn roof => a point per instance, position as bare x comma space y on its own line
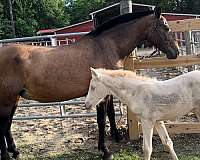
116, 4
43, 31
144, 5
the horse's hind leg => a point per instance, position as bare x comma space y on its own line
111, 117
4, 122
10, 141
166, 140
101, 120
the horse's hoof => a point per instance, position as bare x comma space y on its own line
108, 156
116, 136
14, 151
5, 156
15, 154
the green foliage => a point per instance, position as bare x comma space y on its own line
79, 9
33, 15
180, 6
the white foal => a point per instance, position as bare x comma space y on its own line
152, 101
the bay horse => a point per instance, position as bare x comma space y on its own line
55, 74
151, 101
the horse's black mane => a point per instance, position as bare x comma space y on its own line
119, 20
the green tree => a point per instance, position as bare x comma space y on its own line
51, 13
79, 9
1, 19
32, 15
180, 6
5, 23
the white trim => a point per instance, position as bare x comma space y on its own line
58, 29
136, 4
104, 9
182, 14
145, 5
42, 37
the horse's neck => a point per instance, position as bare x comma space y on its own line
120, 87
123, 39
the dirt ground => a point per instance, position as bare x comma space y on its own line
76, 139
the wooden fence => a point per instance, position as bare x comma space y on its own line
131, 63
174, 127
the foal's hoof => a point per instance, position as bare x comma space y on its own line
108, 156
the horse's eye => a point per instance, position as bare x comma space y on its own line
92, 88
167, 28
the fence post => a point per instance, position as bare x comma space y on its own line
125, 6
188, 39
53, 41
133, 125
62, 110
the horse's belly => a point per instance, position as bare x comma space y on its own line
57, 86
52, 94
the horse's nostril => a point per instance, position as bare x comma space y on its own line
178, 52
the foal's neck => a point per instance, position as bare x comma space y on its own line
120, 87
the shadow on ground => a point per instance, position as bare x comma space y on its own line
187, 147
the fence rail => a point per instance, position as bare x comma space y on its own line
53, 38
62, 107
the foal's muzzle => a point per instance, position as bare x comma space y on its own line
87, 105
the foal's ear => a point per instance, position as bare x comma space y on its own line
94, 73
157, 11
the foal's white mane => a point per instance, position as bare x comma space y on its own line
123, 73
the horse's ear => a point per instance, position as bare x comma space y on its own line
94, 73
157, 11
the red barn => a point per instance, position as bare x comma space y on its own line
85, 26
100, 16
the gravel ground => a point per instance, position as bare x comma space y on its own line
40, 139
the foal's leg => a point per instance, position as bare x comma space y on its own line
4, 121
111, 117
101, 120
147, 129
197, 112
166, 140
10, 141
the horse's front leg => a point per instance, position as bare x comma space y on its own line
111, 116
10, 141
4, 120
101, 120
